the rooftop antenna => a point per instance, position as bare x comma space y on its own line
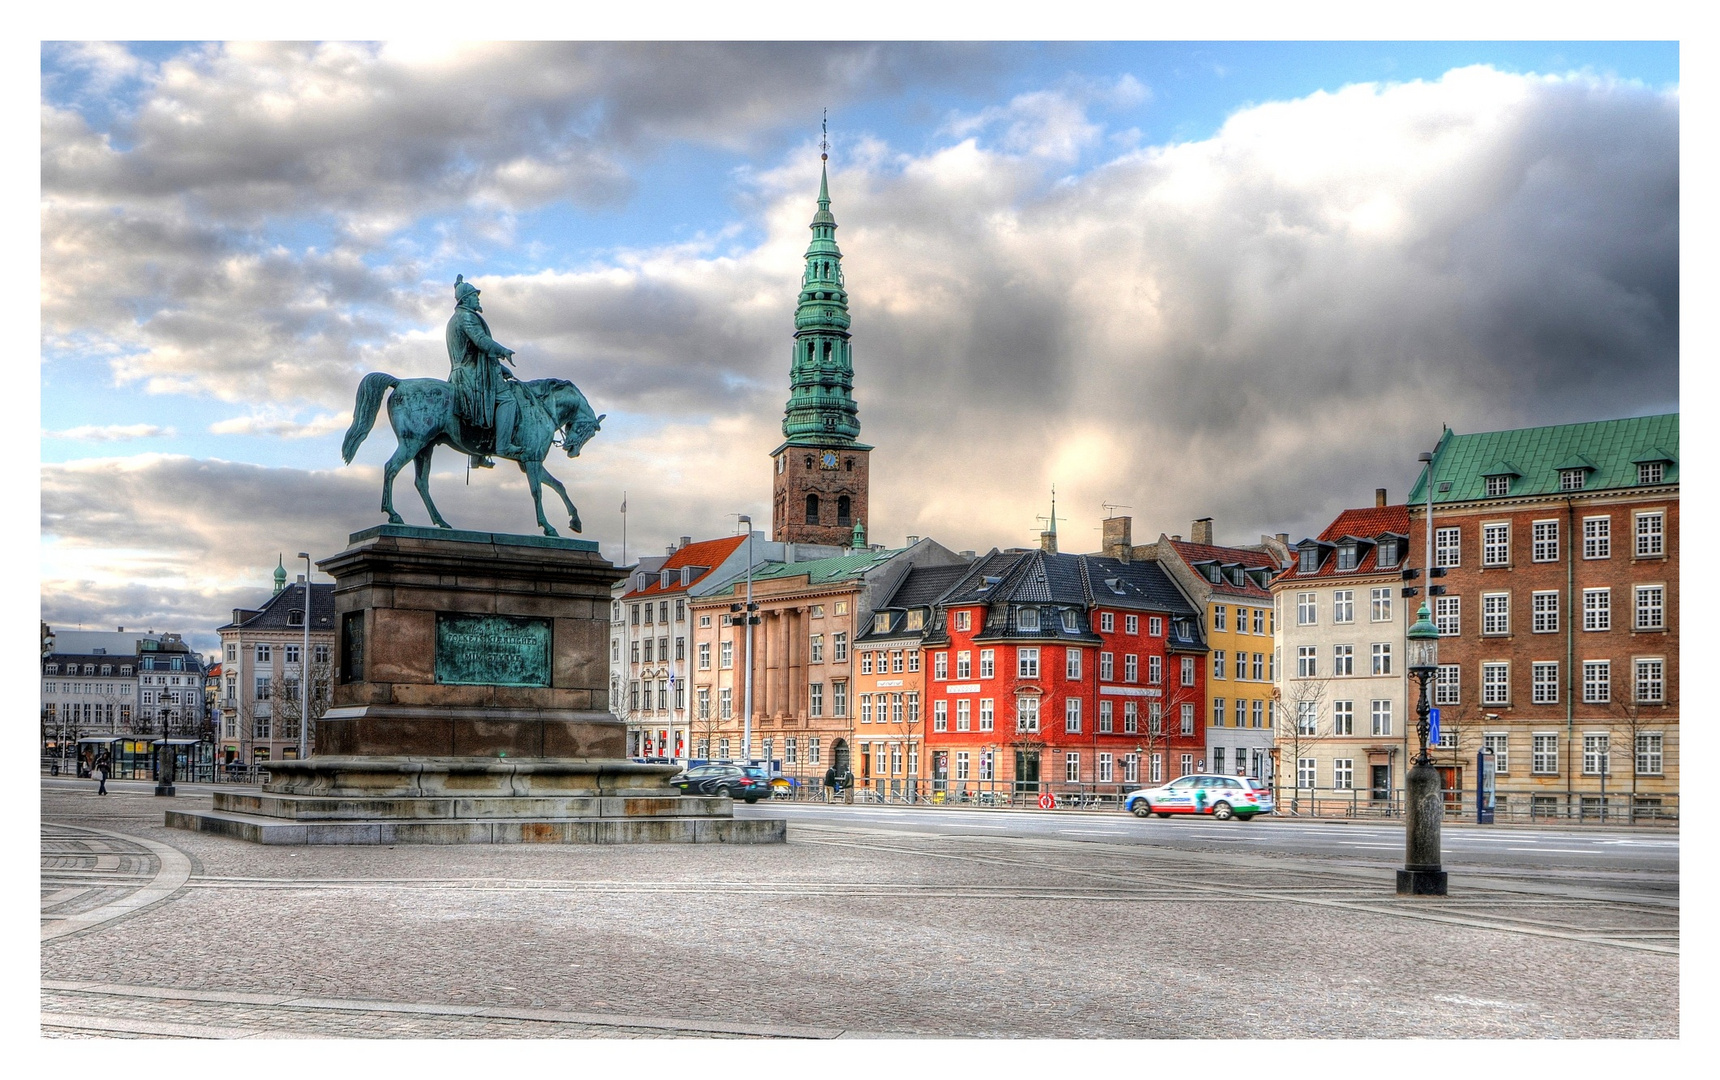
1111, 508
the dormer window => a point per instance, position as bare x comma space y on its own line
638, 581
1571, 479
1498, 486
295, 617
1211, 572
125, 670
881, 623
1651, 472
1236, 576
107, 669
1069, 621
916, 620
1310, 559
1388, 553
663, 579
686, 575
1347, 557
1027, 619
53, 669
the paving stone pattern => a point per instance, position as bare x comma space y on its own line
840, 932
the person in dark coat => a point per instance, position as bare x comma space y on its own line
829, 782
102, 766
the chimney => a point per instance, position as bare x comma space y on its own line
119, 629
1114, 537
967, 554
1201, 531
912, 540
1048, 541
1176, 536
1379, 496
685, 540
1283, 538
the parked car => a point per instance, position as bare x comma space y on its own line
749, 782
1224, 797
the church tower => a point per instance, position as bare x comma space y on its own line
821, 471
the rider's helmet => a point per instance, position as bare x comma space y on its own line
463, 289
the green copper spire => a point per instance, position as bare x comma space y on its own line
280, 573
821, 409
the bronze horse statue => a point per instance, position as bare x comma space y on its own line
421, 412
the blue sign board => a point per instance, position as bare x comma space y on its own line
1433, 728
1484, 787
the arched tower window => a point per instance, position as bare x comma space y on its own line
812, 509
842, 510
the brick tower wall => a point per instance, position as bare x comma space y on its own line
794, 479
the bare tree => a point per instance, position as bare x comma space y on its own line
1635, 719
288, 701
1299, 727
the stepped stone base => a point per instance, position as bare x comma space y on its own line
473, 801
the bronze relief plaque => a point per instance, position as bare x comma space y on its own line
492, 650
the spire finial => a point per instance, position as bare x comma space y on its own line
824, 140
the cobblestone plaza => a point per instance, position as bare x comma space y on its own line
842, 932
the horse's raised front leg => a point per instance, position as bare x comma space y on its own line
534, 477
402, 454
572, 513
421, 479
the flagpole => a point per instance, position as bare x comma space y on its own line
623, 528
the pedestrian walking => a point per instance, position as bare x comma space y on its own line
829, 782
101, 773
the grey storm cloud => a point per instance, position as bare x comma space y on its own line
1262, 325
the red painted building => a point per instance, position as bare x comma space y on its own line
1054, 672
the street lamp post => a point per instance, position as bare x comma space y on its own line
305, 669
1422, 874
746, 695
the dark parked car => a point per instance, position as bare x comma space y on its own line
749, 782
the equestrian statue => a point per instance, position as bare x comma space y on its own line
481, 410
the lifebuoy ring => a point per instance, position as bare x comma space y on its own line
1047, 801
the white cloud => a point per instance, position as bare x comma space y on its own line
112, 432
281, 427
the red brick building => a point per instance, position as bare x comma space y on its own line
1053, 672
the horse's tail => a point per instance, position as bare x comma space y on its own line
370, 393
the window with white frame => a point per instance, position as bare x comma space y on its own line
1447, 547
1597, 609
1381, 714
1495, 544
1445, 685
815, 650
1027, 618
1188, 720
1650, 607
1649, 539
963, 762
1597, 538
1343, 718
1260, 620
1500, 744
1072, 663
1597, 754
895, 662
1545, 612
1570, 479
912, 700
964, 664
839, 642
1027, 662
1308, 559
726, 704
1307, 717
1254, 713
726, 654
1155, 718
1106, 716
1131, 768
1155, 769
1072, 767
1597, 682
1544, 754
1650, 685
914, 659
1027, 713
985, 714
1649, 760
1131, 717
1241, 664
1072, 715
1307, 662
1307, 608
1103, 775
1545, 541
1343, 773
703, 701
1446, 618
791, 750
1071, 621
1348, 557
264, 653
941, 665
964, 620
1218, 663
1650, 472
1107, 621
1495, 613
1545, 682
1381, 600
1382, 658
1498, 486
866, 663
1217, 712
1305, 772
1343, 659
964, 714
1107, 668
940, 716
1155, 626
1188, 671
812, 752
1131, 624
1131, 668
1343, 605
1496, 683
1155, 670
1218, 621
1187, 761
987, 663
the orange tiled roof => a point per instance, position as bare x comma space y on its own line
1366, 523
707, 553
1255, 560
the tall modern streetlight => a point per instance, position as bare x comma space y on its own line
305, 669
1421, 874
746, 698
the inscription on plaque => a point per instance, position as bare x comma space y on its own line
492, 650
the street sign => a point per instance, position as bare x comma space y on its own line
1433, 728
1047, 801
1484, 787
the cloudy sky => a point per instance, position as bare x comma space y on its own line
1248, 281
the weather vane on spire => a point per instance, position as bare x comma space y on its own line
824, 141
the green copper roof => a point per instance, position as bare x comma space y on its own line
824, 571
1608, 450
821, 409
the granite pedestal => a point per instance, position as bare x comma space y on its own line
471, 706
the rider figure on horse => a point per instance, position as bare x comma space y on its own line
483, 398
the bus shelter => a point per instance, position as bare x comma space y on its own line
188, 760
91, 748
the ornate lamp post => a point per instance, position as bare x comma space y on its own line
1421, 874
